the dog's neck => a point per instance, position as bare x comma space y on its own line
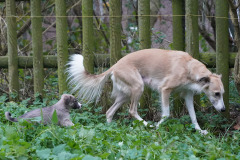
60, 105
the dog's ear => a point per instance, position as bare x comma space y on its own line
204, 80
67, 100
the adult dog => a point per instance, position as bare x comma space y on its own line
62, 108
163, 70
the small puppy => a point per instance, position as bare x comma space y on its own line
62, 107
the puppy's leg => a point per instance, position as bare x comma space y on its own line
190, 107
165, 93
119, 101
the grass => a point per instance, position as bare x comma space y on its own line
92, 138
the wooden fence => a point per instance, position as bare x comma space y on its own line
13, 62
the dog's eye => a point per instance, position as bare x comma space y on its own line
217, 94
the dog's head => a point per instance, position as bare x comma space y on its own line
70, 102
213, 88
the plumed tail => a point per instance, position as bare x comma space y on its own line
8, 117
86, 86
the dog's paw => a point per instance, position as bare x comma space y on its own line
150, 126
203, 132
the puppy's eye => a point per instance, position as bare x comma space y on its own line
217, 94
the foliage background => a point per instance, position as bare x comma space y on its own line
125, 138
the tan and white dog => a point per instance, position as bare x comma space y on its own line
163, 70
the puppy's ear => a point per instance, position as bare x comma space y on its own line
67, 100
204, 80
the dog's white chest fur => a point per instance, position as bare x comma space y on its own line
196, 88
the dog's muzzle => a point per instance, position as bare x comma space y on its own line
223, 109
80, 105
77, 105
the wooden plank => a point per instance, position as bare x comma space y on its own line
103, 60
25, 62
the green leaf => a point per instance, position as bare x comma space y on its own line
43, 154
89, 157
66, 155
54, 117
58, 149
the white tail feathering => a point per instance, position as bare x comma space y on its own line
87, 86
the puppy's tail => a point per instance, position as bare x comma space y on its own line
87, 86
8, 116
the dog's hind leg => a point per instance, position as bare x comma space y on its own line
165, 95
129, 81
136, 91
119, 101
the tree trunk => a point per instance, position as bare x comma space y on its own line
37, 47
237, 71
234, 17
115, 46
178, 44
115, 31
87, 29
192, 42
12, 49
222, 48
62, 45
145, 42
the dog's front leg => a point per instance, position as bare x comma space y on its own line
165, 105
190, 107
67, 122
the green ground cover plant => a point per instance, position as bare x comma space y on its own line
93, 139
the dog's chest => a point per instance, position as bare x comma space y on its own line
196, 88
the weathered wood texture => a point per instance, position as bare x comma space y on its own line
222, 48
145, 42
178, 44
115, 31
88, 36
12, 46
62, 44
37, 47
192, 34
103, 60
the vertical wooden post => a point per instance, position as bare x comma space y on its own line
62, 44
192, 42
178, 25
222, 48
12, 47
37, 46
178, 42
115, 31
192, 33
87, 30
145, 42
115, 45
144, 24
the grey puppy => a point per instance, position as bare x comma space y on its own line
62, 107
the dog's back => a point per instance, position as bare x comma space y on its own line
46, 112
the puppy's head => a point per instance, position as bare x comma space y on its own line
213, 88
70, 102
